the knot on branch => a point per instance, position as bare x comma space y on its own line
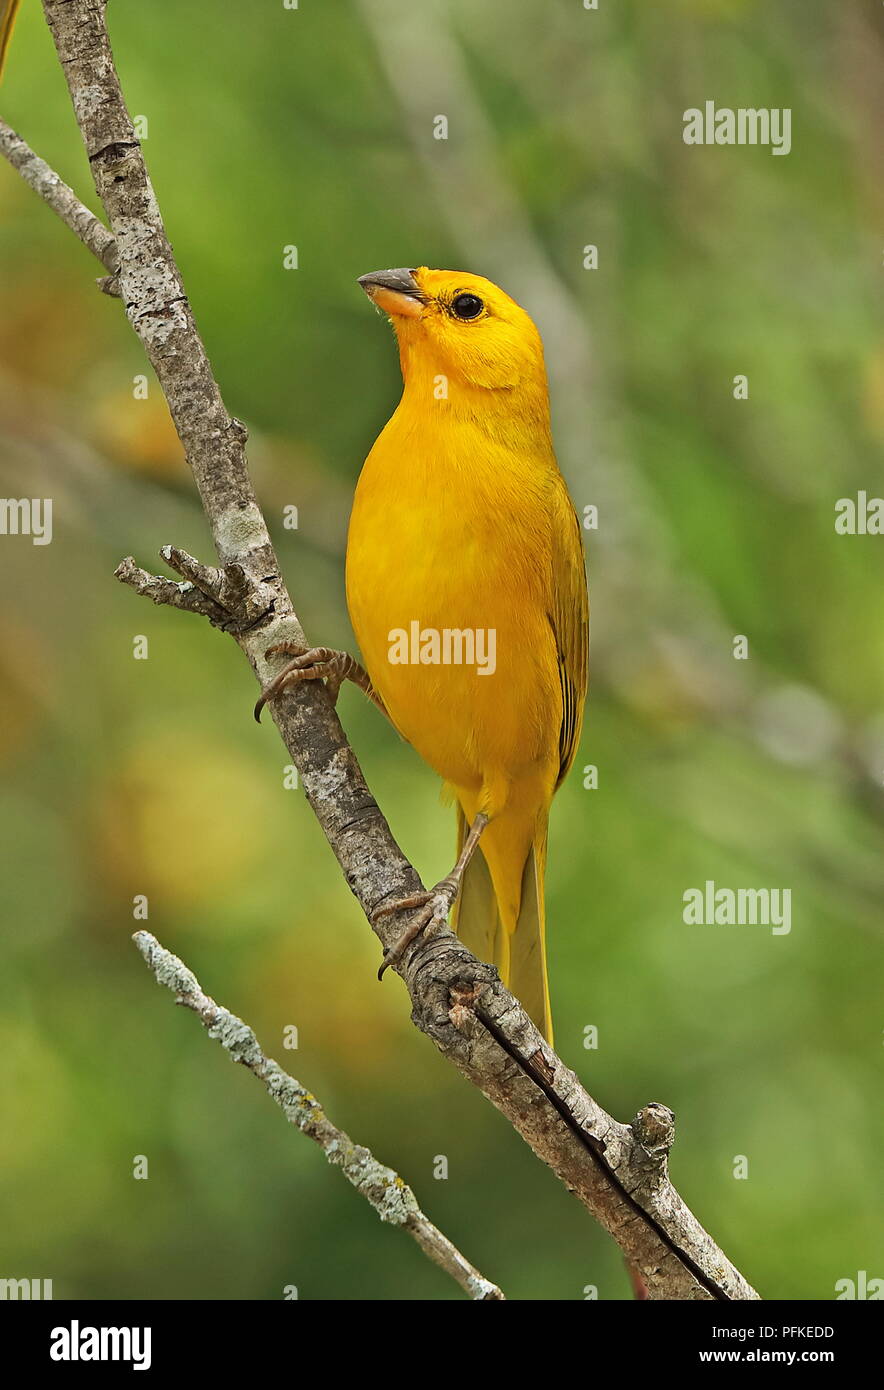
464, 996
114, 152
654, 1128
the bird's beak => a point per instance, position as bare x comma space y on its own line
394, 291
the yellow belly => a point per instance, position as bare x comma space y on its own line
448, 554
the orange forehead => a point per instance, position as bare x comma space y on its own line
447, 283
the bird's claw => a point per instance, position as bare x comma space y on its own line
307, 664
433, 909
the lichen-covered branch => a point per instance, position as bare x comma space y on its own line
619, 1172
391, 1197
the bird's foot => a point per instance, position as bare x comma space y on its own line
433, 909
309, 664
433, 906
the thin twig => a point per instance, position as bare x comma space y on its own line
62, 199
391, 1197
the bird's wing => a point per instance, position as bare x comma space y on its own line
569, 618
8, 12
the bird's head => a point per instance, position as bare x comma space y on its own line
461, 326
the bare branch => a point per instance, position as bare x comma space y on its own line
159, 590
228, 586
618, 1172
62, 199
392, 1199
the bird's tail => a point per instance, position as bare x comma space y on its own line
8, 11
520, 956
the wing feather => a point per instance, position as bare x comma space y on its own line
569, 618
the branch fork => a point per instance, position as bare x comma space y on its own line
226, 595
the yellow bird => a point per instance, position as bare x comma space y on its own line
467, 593
8, 12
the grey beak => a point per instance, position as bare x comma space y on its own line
401, 281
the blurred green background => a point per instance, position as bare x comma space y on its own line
267, 128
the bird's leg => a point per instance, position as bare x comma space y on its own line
435, 904
316, 664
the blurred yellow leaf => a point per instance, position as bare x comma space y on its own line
138, 433
179, 823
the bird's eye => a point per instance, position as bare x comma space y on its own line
467, 306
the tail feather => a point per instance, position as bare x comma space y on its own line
528, 975
476, 918
520, 957
8, 12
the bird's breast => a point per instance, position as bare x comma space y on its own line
448, 585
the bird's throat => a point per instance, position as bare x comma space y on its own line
441, 400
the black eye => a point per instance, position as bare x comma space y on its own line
467, 306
